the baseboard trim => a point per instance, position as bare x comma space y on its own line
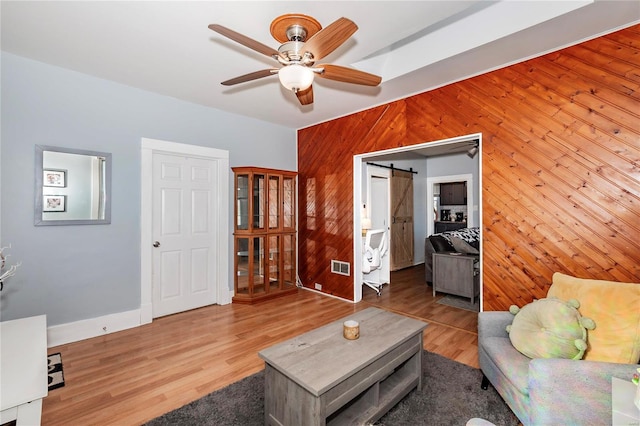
93, 327
313, 290
146, 313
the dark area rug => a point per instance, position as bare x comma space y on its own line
451, 395
55, 373
460, 302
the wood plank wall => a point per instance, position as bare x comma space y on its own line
560, 168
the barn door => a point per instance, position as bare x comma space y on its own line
401, 250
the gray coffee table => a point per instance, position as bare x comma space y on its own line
322, 378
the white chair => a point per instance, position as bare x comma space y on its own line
375, 248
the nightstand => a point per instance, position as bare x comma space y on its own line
457, 274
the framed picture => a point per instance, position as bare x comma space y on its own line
54, 177
54, 203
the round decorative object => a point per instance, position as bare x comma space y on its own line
351, 330
280, 27
550, 328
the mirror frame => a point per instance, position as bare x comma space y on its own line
39, 167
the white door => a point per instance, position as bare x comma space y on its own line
379, 210
184, 235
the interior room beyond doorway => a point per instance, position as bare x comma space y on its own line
424, 160
405, 297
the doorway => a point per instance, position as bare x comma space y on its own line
459, 145
196, 259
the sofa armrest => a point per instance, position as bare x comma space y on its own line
493, 324
428, 260
563, 391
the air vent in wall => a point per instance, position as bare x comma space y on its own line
342, 268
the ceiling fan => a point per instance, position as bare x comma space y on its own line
304, 42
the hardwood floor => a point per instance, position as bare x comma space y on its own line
452, 332
132, 376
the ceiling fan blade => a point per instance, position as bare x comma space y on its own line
245, 41
330, 38
251, 76
348, 75
305, 96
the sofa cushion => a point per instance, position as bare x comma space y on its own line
441, 244
462, 246
615, 308
566, 392
549, 328
512, 365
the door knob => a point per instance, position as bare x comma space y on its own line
156, 244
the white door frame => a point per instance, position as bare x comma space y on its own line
149, 147
358, 163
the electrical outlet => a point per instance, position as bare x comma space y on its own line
318, 286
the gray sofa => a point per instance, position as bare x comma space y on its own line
553, 391
545, 391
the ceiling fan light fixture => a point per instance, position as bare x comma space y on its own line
296, 77
304, 41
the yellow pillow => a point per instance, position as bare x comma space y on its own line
614, 307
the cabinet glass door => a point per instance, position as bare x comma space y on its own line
288, 260
258, 269
288, 202
242, 266
258, 201
250, 266
242, 202
274, 262
274, 202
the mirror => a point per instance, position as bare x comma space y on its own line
73, 186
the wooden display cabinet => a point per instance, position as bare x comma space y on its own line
264, 234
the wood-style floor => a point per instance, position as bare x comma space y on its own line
132, 376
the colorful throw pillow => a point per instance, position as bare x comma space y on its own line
470, 235
549, 328
614, 306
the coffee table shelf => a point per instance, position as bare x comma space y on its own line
380, 397
321, 378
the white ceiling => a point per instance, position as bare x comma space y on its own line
166, 47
